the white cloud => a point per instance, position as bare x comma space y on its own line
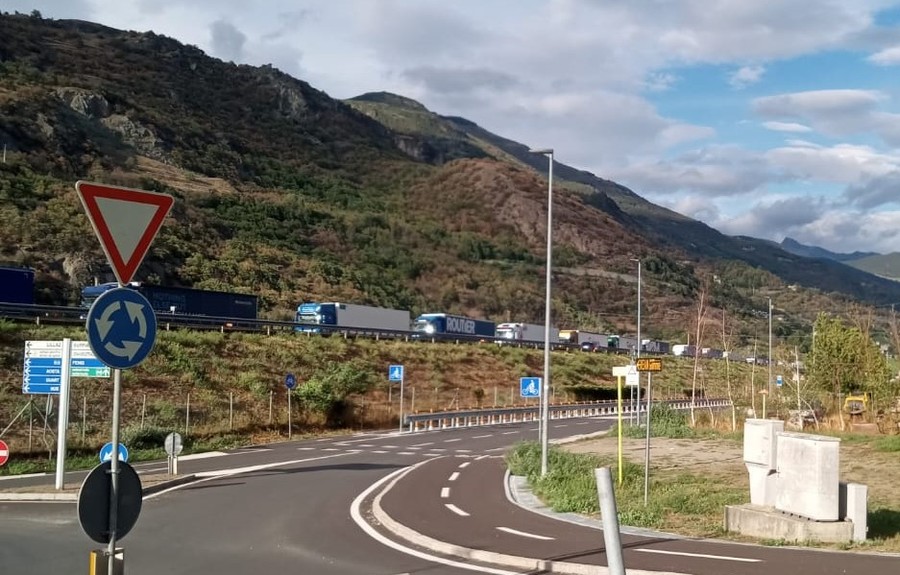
786, 127
886, 57
746, 76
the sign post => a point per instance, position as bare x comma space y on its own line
121, 325
62, 417
395, 373
290, 382
620, 372
648, 364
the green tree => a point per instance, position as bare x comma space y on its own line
328, 390
845, 360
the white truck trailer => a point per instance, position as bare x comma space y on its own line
313, 317
524, 332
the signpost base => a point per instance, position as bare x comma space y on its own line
99, 562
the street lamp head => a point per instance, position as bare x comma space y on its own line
541, 151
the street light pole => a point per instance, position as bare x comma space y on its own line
769, 386
637, 390
545, 392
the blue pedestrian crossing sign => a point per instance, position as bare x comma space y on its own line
530, 386
395, 373
779, 381
107, 450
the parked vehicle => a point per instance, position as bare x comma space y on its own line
184, 301
681, 349
313, 316
524, 332
446, 324
586, 340
16, 285
622, 342
655, 346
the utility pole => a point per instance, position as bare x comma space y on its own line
769, 386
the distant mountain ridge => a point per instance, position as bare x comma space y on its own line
793, 246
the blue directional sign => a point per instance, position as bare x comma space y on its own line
779, 381
395, 373
121, 328
290, 381
530, 386
107, 450
42, 366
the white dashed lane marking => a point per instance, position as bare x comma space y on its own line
453, 476
445, 492
456, 509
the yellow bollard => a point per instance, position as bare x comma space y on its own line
99, 562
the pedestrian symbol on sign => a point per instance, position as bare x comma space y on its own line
395, 373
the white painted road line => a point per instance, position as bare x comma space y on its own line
406, 453
483, 436
445, 492
22, 476
434, 455
201, 455
700, 555
423, 444
452, 440
327, 449
453, 476
509, 432
524, 534
456, 509
305, 448
464, 465
379, 451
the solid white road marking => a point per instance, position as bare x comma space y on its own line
452, 440
330, 449
509, 432
201, 455
305, 448
406, 453
453, 476
379, 451
700, 555
486, 456
456, 509
356, 514
22, 476
483, 436
445, 492
423, 444
524, 534
464, 465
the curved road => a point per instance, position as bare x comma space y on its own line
287, 508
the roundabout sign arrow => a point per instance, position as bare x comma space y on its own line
121, 328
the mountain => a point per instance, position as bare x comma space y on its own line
884, 265
287, 193
793, 246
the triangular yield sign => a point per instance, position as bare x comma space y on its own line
126, 221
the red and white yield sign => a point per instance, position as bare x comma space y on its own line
4, 452
125, 221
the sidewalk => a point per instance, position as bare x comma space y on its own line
9, 491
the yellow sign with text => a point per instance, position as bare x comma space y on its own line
649, 364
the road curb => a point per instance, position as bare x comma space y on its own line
49, 496
501, 559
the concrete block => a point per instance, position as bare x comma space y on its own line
762, 485
769, 523
807, 482
853, 507
760, 441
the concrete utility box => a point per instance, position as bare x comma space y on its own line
854, 507
760, 456
807, 481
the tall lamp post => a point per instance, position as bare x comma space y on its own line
639, 340
545, 392
769, 386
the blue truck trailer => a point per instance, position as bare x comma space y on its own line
316, 317
16, 285
184, 301
446, 324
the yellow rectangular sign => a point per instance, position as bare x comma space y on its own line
649, 364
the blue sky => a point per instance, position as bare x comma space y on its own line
763, 118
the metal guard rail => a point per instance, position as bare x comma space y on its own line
494, 416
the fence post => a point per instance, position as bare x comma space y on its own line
231, 411
187, 415
609, 514
271, 393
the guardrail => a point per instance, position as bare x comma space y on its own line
495, 416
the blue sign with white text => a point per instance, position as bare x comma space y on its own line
121, 328
530, 386
395, 373
107, 449
779, 381
290, 381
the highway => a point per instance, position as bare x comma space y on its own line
297, 507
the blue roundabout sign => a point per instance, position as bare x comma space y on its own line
121, 328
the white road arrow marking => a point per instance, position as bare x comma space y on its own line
104, 324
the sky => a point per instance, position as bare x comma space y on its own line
767, 118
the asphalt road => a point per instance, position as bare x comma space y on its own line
289, 510
286, 508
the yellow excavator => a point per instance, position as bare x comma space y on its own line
856, 405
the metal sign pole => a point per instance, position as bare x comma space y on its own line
402, 377
619, 410
114, 470
290, 427
647, 444
63, 415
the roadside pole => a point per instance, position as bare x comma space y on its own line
63, 413
114, 472
619, 380
647, 443
402, 377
